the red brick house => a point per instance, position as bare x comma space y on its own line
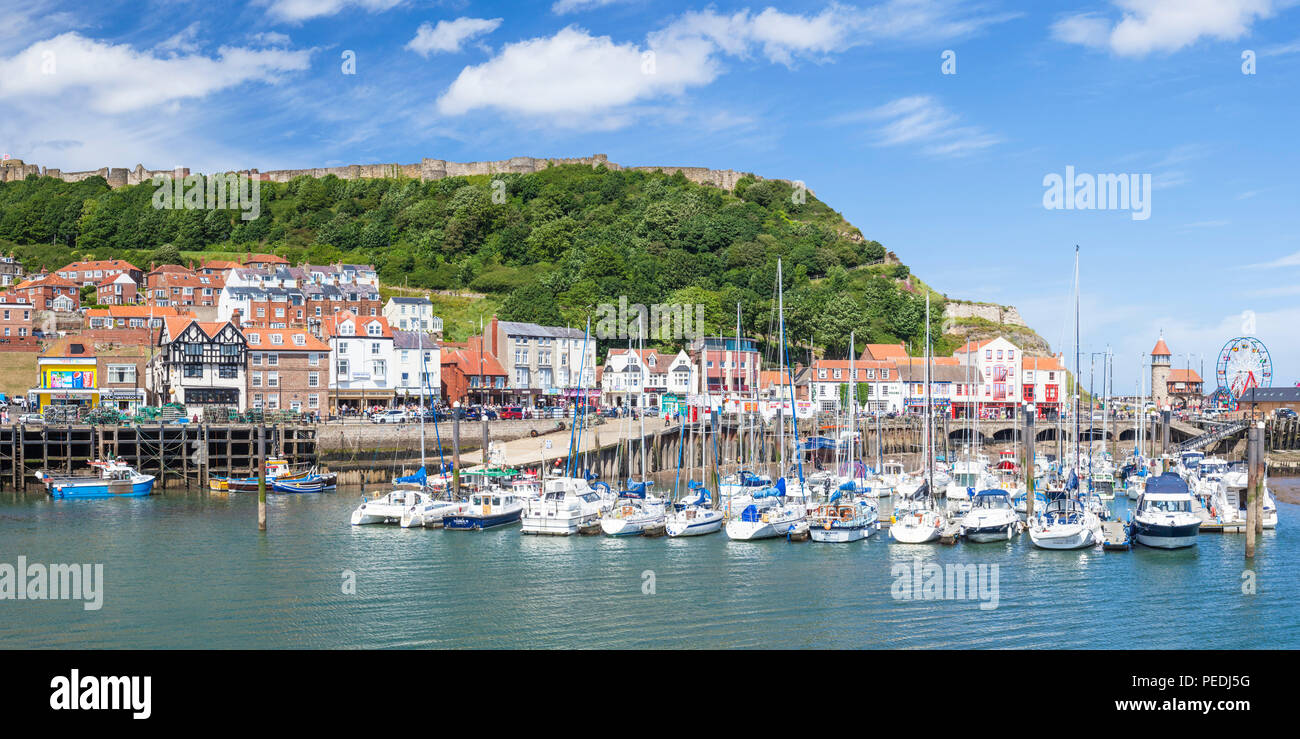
287, 369
93, 273
50, 292
117, 290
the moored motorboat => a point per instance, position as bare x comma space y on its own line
565, 507
1065, 524
991, 518
111, 479
1164, 518
486, 510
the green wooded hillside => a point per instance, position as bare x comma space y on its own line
548, 247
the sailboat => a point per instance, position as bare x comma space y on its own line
844, 518
770, 515
1066, 523
411, 502
697, 516
917, 520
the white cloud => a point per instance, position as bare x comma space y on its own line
1290, 260
576, 73
1162, 25
560, 7
185, 40
269, 38
921, 120
119, 79
572, 72
296, 11
447, 36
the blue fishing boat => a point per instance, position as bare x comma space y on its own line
486, 510
113, 479
312, 484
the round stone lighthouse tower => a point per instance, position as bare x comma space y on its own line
1160, 373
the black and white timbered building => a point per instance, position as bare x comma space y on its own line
200, 363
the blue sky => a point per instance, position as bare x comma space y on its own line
947, 170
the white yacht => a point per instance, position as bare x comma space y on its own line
992, 517
390, 507
767, 517
917, 525
565, 507
967, 477
1165, 518
843, 521
1065, 524
695, 518
633, 517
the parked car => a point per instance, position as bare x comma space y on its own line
31, 418
1286, 413
511, 413
395, 415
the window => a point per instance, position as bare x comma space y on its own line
121, 373
378, 369
193, 370
343, 368
277, 339
313, 359
273, 379
257, 358
374, 347
257, 379
313, 401
313, 379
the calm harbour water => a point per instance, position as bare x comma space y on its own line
190, 570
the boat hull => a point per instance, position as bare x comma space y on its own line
102, 489
1161, 536
841, 534
699, 526
480, 521
990, 532
1075, 536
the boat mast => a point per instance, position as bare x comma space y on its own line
1077, 397
929, 409
642, 406
780, 426
794, 417
853, 406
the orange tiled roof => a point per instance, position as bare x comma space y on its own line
1161, 347
261, 339
1184, 375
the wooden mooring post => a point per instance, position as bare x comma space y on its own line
1028, 445
1254, 482
261, 477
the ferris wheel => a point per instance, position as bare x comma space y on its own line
1244, 363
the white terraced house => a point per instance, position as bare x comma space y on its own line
640, 377
417, 367
363, 357
412, 314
